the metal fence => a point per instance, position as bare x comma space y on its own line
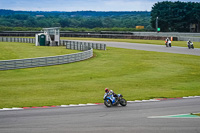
13, 39
52, 60
69, 44
45, 61
82, 45
164, 34
193, 39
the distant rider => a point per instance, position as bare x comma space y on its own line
166, 41
170, 43
189, 42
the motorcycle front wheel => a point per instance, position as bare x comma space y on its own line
123, 102
192, 47
107, 103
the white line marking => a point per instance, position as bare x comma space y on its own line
154, 100
91, 104
145, 100
82, 104
137, 101
64, 106
7, 108
130, 101
73, 105
17, 108
191, 97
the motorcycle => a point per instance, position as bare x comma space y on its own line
190, 45
110, 100
168, 44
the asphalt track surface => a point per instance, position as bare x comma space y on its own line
151, 47
134, 118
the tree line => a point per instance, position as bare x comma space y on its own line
74, 13
79, 19
172, 16
175, 16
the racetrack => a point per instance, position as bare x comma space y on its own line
136, 117
89, 119
151, 47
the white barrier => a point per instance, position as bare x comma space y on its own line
87, 53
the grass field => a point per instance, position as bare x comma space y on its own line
10, 50
156, 42
133, 73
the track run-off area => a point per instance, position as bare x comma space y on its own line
147, 116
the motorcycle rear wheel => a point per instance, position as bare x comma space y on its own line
123, 102
107, 103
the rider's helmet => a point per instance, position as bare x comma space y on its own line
106, 90
111, 91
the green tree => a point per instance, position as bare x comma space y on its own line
175, 16
64, 22
31, 22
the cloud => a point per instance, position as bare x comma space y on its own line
79, 5
129, 5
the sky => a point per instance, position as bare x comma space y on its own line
81, 5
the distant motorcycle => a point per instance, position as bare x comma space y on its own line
190, 45
168, 44
110, 100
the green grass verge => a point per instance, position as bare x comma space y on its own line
135, 74
10, 50
156, 42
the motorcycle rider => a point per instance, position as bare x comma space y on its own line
115, 95
170, 43
189, 41
190, 44
110, 92
166, 41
